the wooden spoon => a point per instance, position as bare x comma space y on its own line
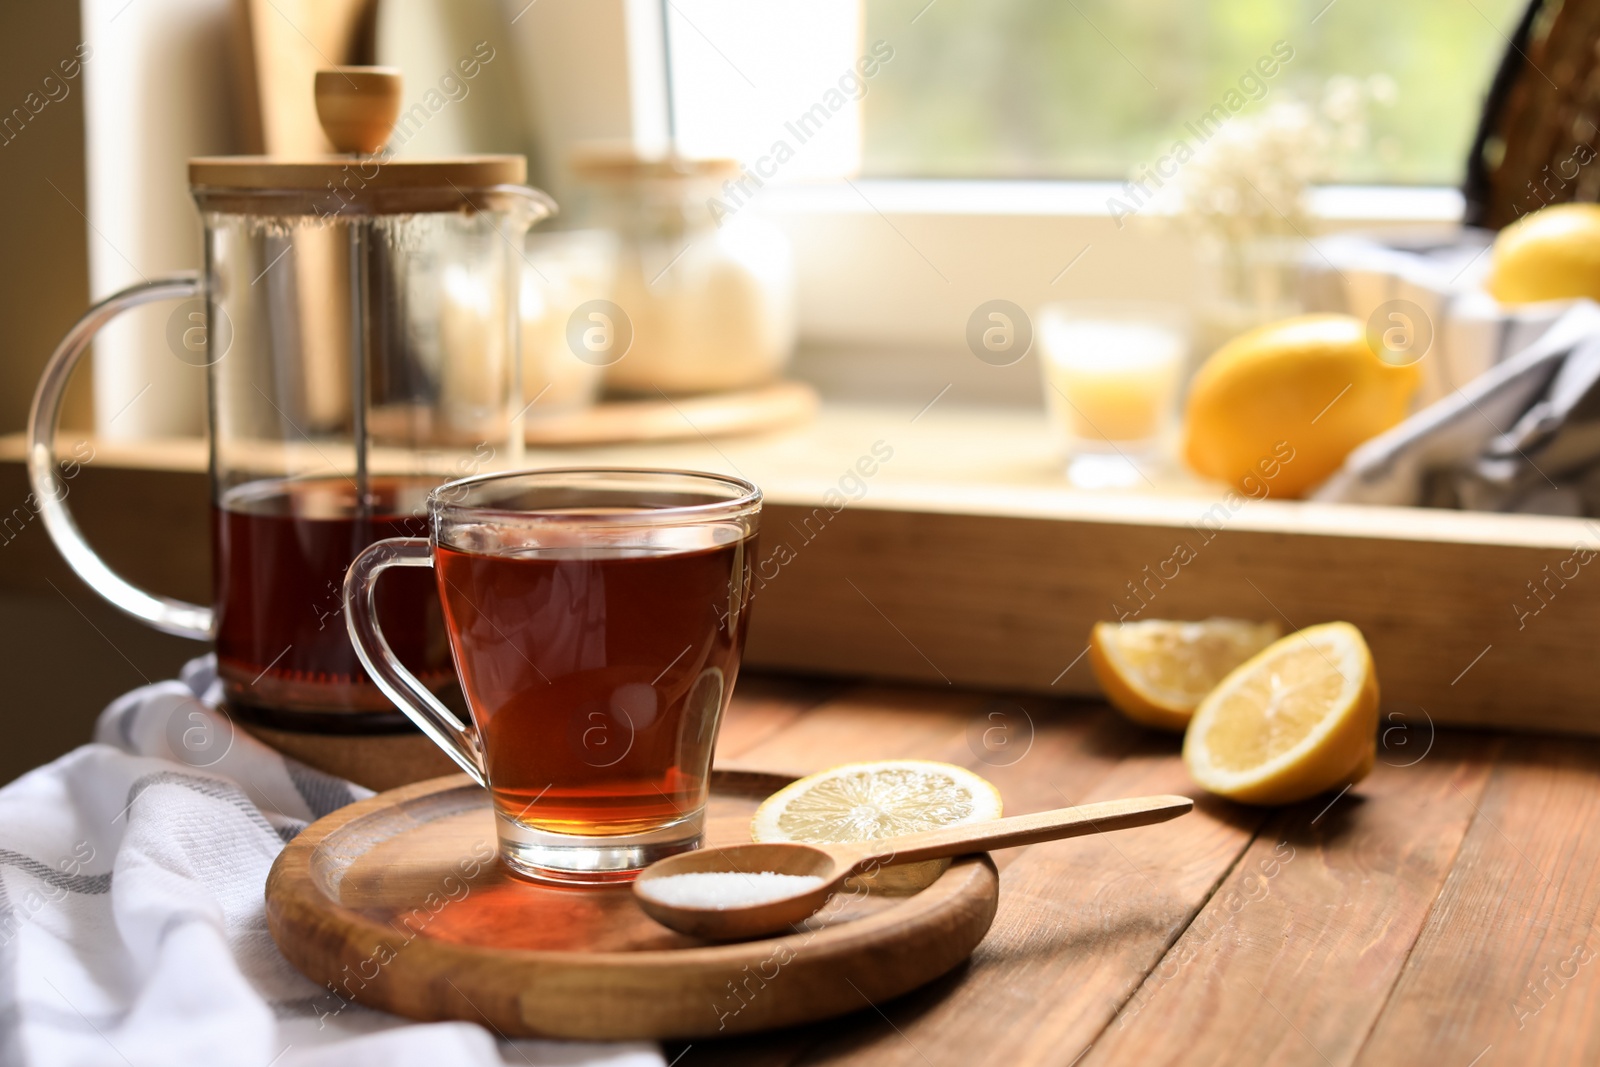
834, 863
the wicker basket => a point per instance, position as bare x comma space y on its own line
1537, 139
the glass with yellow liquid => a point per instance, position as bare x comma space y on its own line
1112, 374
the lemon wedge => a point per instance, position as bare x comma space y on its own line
1298, 718
870, 801
1156, 672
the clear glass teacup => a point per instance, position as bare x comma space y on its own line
596, 619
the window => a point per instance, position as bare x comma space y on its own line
759, 80
1088, 89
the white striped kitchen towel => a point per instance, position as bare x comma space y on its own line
1524, 437
132, 931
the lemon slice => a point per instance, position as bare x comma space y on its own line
1156, 672
870, 801
1298, 718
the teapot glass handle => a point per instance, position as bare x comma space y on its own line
458, 740
50, 489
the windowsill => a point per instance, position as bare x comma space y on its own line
1337, 204
890, 264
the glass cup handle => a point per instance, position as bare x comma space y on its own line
50, 490
458, 740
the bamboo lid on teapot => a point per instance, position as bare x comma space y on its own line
360, 109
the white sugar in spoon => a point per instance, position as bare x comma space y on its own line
832, 864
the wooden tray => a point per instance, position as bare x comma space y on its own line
396, 902
975, 496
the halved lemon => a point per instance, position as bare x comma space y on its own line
1299, 718
1156, 672
870, 801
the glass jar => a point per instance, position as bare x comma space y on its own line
707, 290
567, 269
1245, 282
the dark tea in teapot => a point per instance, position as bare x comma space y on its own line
280, 549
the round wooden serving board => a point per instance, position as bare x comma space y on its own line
396, 902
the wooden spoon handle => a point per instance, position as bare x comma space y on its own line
1016, 830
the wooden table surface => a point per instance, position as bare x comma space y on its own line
1440, 912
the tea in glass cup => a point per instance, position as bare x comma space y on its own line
596, 618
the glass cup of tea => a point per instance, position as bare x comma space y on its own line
596, 618
1112, 373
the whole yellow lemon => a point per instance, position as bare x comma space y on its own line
1552, 254
1275, 410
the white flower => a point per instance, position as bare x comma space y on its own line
1251, 178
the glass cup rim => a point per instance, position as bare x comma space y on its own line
748, 500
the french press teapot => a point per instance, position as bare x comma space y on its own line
360, 337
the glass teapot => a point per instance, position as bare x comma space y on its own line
360, 335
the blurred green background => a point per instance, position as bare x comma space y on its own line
1090, 88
